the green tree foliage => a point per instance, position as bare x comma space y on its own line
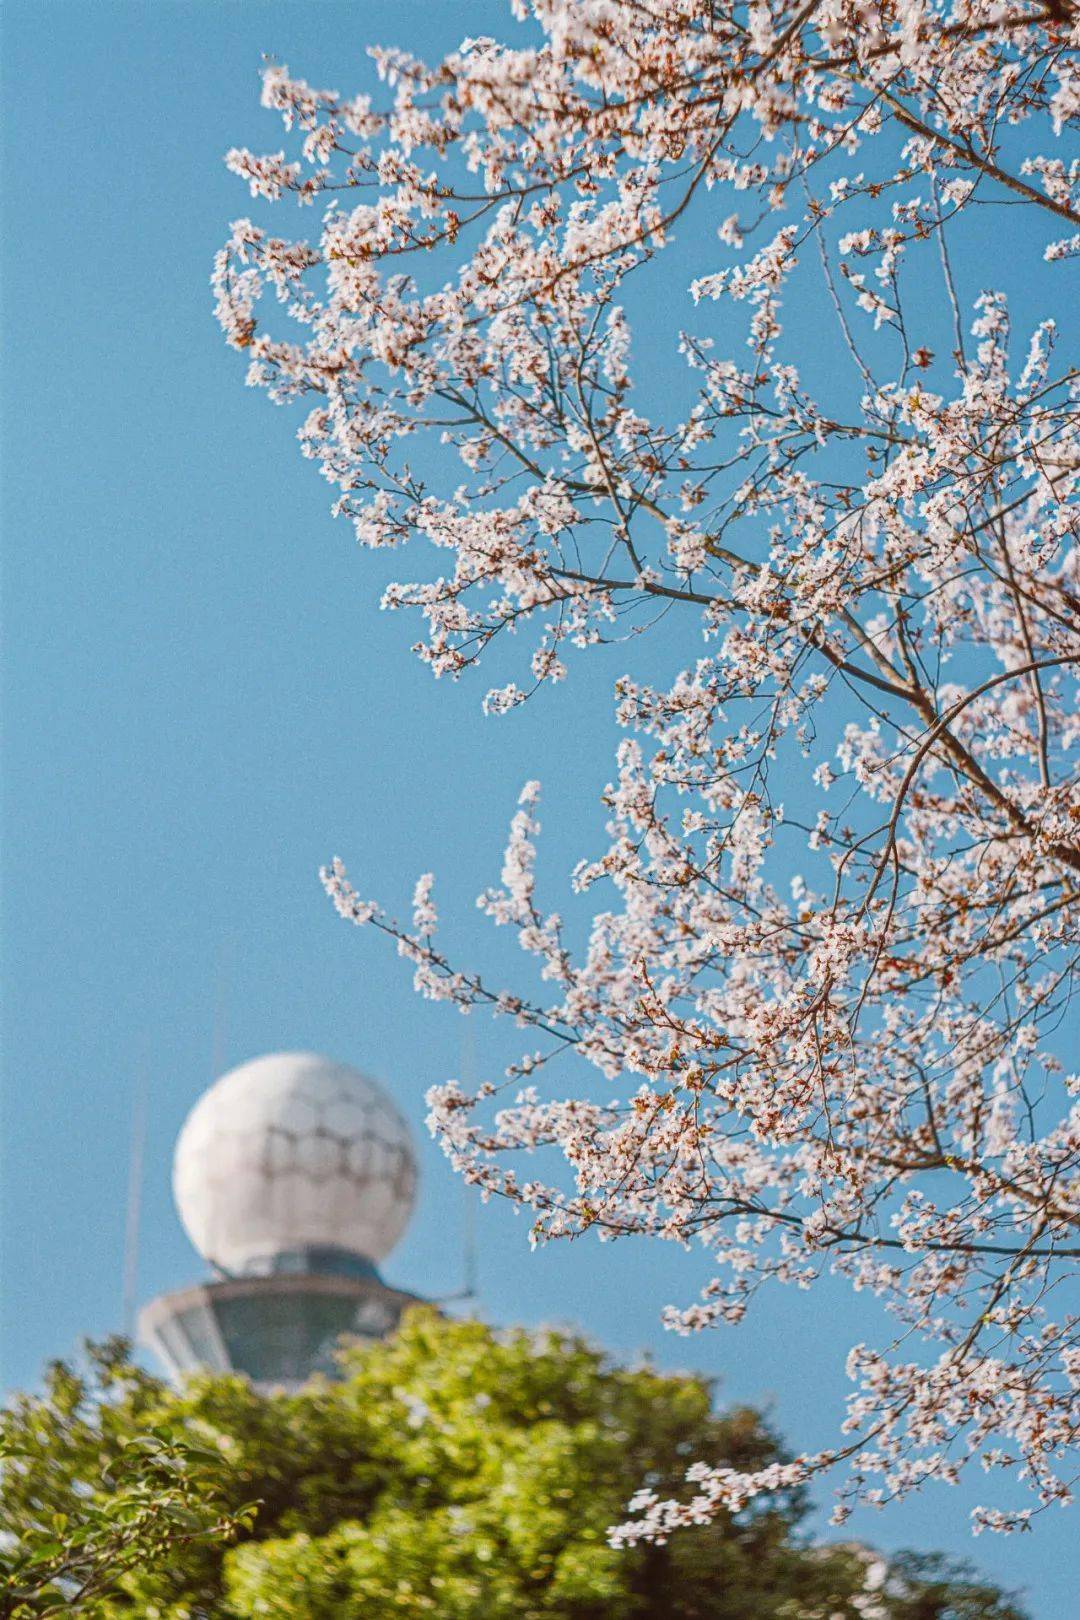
89, 1498
455, 1473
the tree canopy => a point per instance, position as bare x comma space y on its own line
454, 1472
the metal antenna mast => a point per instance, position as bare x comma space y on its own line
470, 1259
222, 989
132, 1225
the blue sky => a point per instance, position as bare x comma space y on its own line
202, 702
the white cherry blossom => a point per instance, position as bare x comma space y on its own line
859, 1071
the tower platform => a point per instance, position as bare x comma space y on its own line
279, 1330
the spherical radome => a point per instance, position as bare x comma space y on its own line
292, 1152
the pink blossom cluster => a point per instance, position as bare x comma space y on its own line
828, 1027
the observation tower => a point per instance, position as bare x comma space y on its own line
294, 1177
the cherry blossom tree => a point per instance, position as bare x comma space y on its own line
828, 1032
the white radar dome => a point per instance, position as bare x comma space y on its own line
292, 1153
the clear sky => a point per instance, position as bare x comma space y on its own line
201, 703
